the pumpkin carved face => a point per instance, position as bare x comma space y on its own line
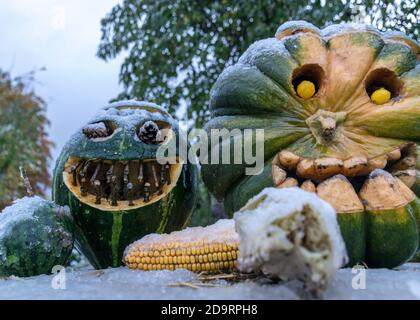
341, 112
117, 190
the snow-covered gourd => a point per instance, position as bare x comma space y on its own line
284, 233
116, 189
340, 109
290, 234
35, 236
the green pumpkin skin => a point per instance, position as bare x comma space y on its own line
257, 93
102, 236
35, 243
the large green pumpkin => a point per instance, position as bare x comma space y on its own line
116, 189
341, 112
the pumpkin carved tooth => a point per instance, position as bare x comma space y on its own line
85, 168
114, 191
308, 185
83, 187
109, 174
408, 177
408, 162
375, 163
306, 168
130, 194
339, 192
288, 159
162, 175
98, 191
327, 167
126, 172
168, 174
73, 172
394, 155
95, 174
288, 183
146, 192
382, 191
154, 175
354, 166
141, 174
278, 174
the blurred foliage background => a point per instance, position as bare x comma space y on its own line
23, 138
175, 49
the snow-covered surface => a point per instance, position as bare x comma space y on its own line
20, 210
123, 283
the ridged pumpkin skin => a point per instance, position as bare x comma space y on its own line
346, 62
102, 235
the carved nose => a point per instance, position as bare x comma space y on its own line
328, 126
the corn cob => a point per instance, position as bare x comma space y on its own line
211, 249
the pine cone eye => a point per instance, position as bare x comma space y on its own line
149, 132
101, 129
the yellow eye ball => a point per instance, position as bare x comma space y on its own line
380, 96
306, 89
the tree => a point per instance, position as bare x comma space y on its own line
23, 139
177, 48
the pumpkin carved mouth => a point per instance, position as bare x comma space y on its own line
353, 184
119, 185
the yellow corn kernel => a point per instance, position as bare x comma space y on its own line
381, 96
306, 89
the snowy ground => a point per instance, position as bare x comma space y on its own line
123, 283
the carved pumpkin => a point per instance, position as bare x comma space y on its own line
109, 176
341, 112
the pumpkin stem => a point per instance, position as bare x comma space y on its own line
324, 125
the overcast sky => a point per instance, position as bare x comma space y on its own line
63, 37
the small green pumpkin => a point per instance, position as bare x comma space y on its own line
35, 236
116, 189
340, 108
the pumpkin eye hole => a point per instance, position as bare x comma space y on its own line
154, 132
100, 129
382, 85
307, 80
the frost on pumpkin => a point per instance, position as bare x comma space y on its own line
35, 235
290, 234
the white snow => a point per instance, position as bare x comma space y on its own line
136, 103
123, 283
20, 210
98, 126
